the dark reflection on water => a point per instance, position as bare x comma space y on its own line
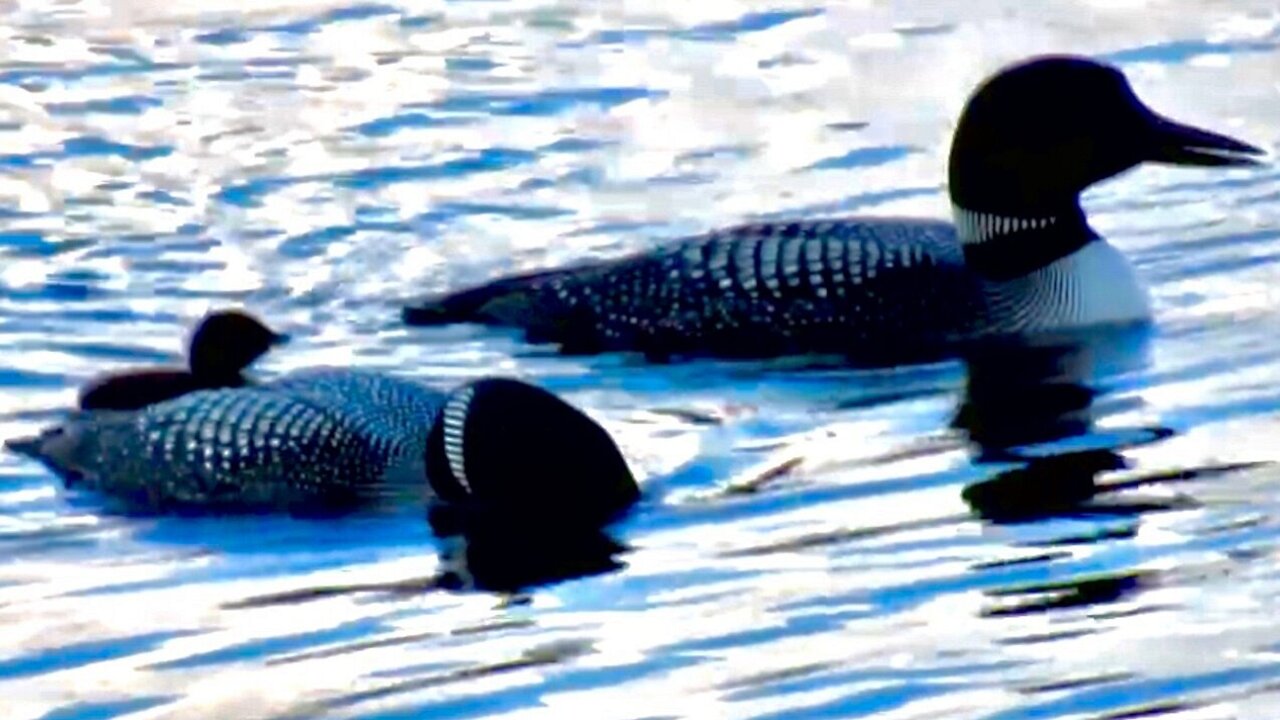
509, 555
1032, 403
1024, 401
504, 557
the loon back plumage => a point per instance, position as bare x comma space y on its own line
388, 405
771, 288
320, 442
1021, 257
306, 447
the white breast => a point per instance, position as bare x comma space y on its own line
1095, 285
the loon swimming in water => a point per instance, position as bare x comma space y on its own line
223, 344
1019, 259
322, 442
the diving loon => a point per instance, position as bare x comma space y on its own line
223, 344
322, 442
1019, 259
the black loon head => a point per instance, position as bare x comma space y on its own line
225, 342
519, 454
1036, 134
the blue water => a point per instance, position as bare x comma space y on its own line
1088, 531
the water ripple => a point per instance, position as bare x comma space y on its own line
993, 538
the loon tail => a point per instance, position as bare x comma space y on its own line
506, 301
63, 447
27, 446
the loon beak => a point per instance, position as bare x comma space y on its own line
1178, 144
278, 339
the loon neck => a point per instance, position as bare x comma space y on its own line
1005, 246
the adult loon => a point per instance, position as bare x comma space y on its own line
327, 441
223, 344
1020, 257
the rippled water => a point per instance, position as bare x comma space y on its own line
1086, 531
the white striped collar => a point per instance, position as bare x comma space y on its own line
977, 227
454, 418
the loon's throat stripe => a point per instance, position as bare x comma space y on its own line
977, 227
1000, 247
454, 418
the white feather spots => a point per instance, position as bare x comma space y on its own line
769, 252
744, 256
769, 273
719, 262
769, 264
813, 251
906, 254
832, 249
791, 261
873, 259
855, 276
744, 265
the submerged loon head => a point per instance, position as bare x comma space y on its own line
520, 454
225, 342
1035, 135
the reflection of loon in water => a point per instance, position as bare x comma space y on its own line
1035, 405
502, 554
497, 555
1032, 403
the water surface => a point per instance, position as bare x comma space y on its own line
1082, 531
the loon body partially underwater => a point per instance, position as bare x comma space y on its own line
322, 442
1020, 257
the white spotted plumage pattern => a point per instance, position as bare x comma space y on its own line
858, 286
759, 285
314, 438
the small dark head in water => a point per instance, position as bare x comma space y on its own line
226, 342
223, 345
